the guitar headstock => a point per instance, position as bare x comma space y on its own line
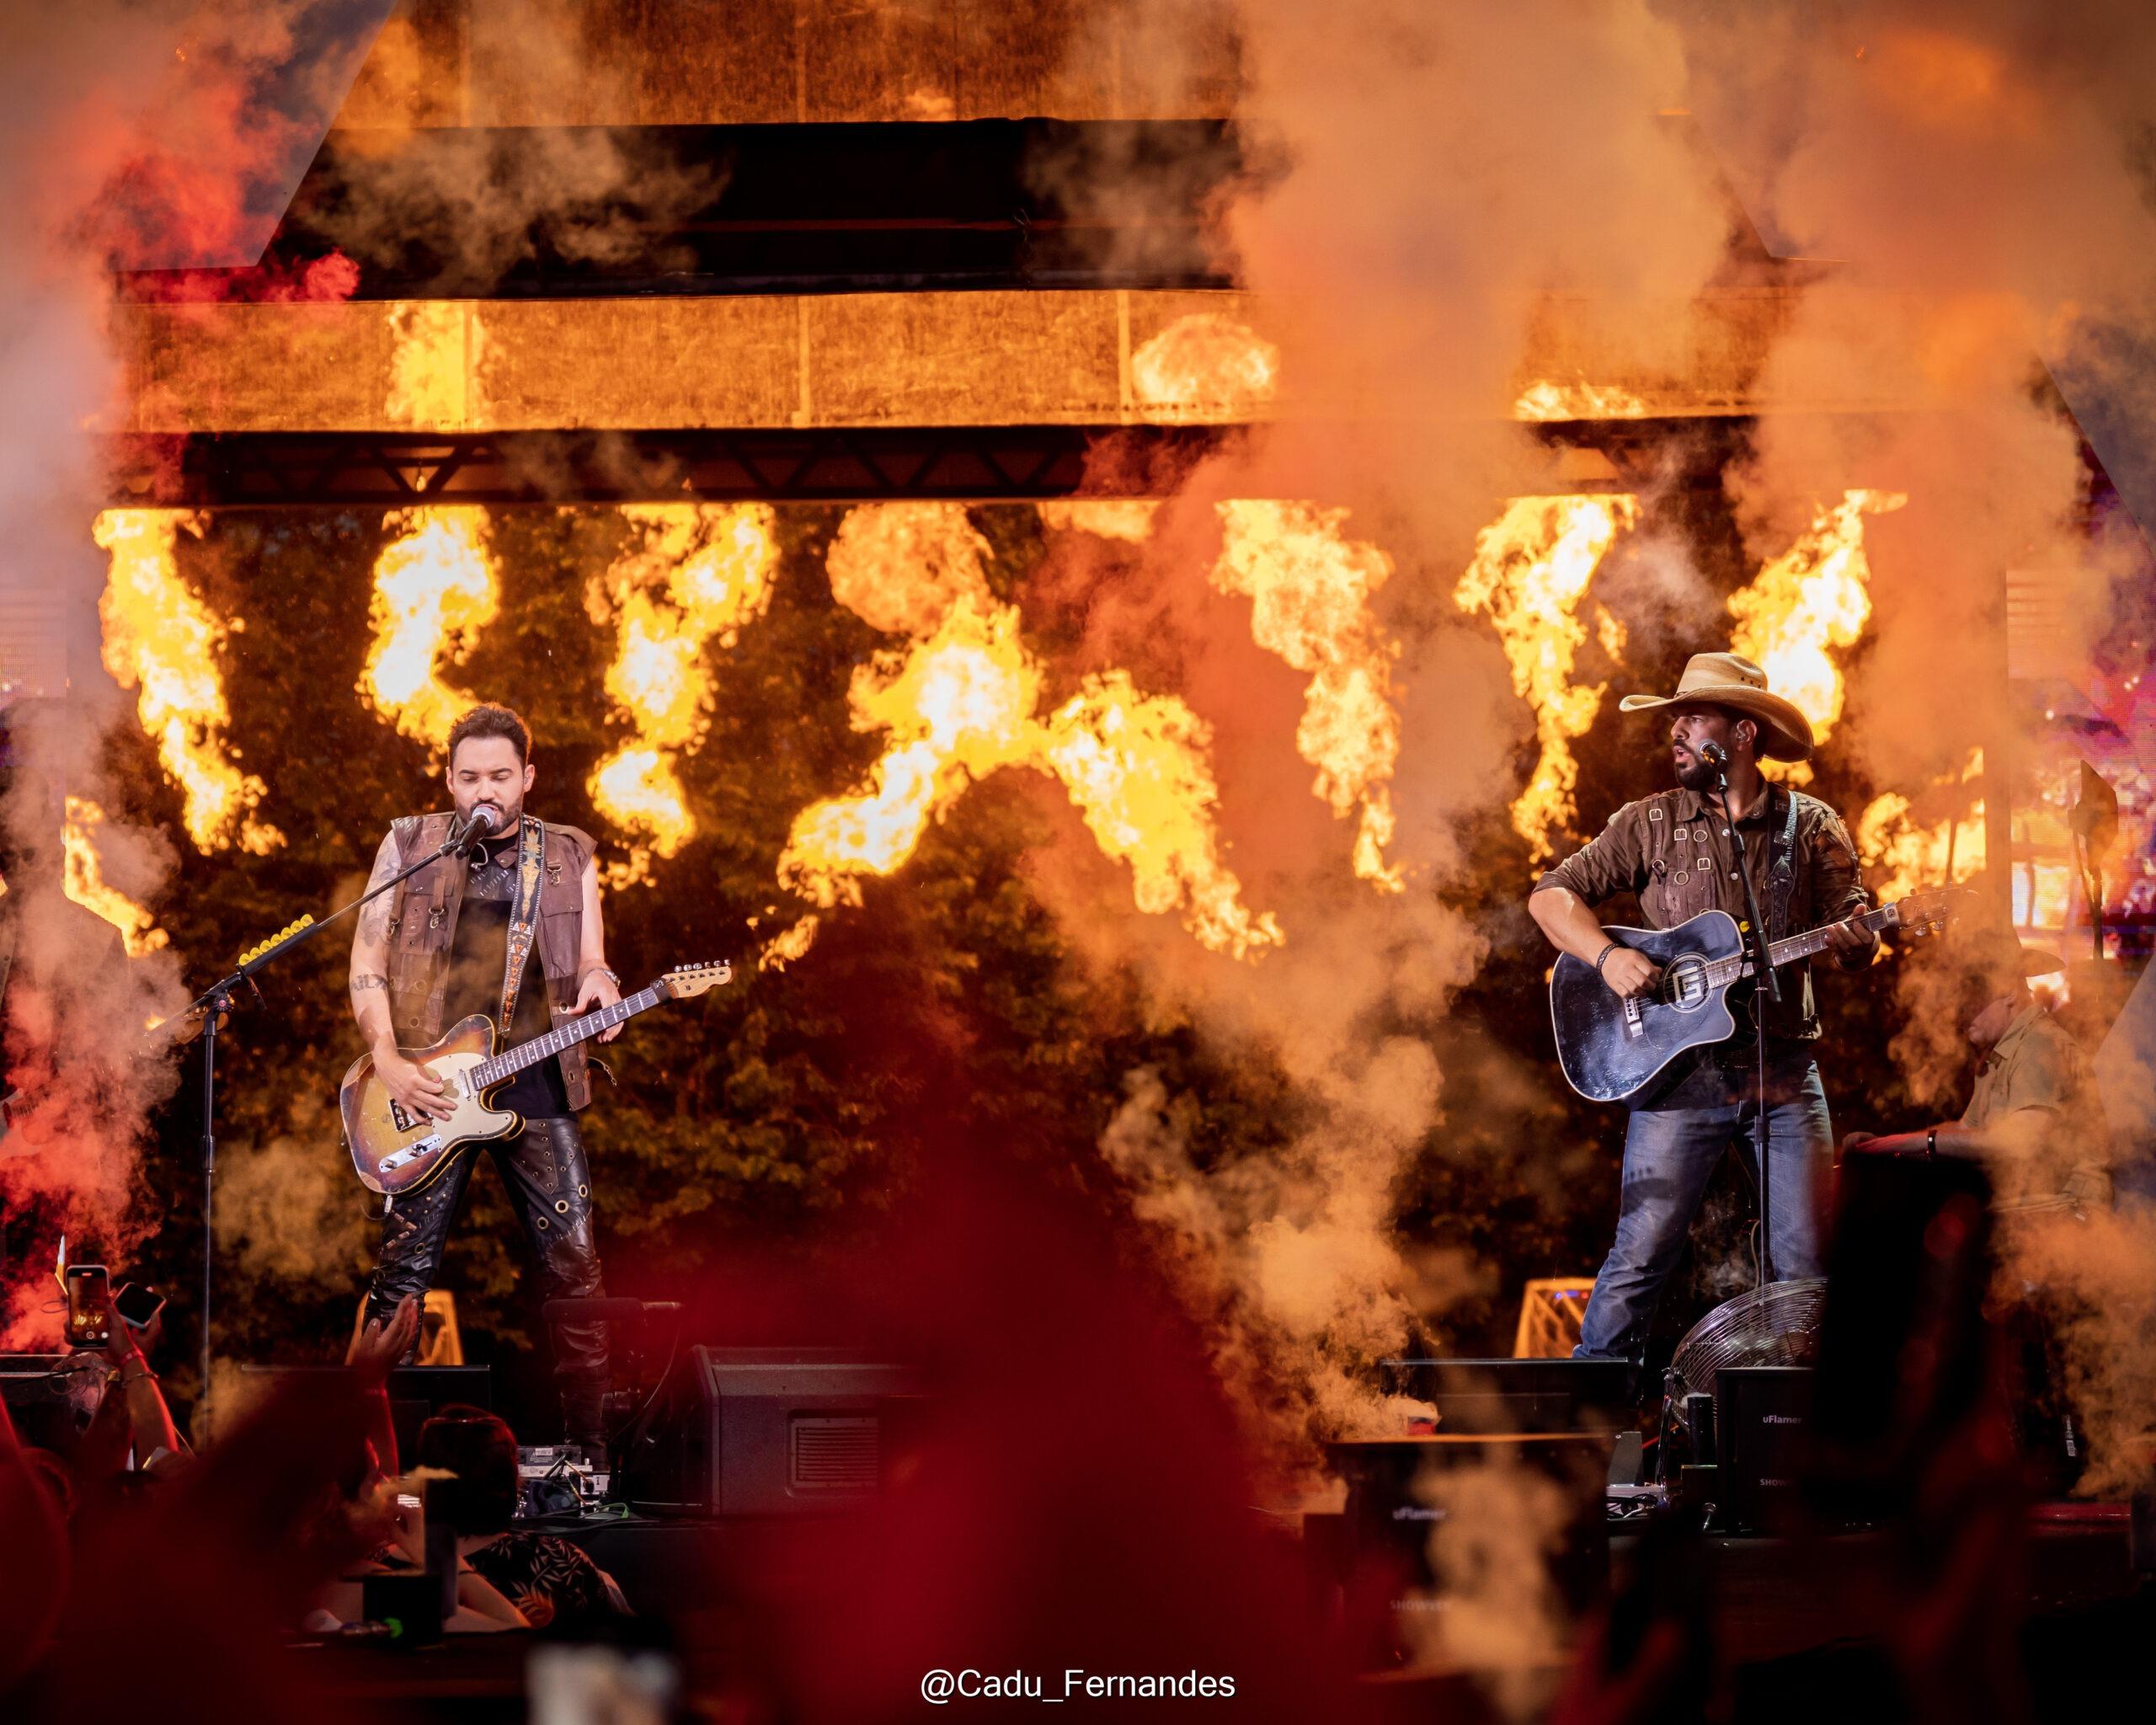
1928, 912
685, 981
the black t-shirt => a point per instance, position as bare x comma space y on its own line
475, 979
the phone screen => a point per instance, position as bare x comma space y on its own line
137, 1304
86, 1325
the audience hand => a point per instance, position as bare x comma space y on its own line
376, 1349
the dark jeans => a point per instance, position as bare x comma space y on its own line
1670, 1152
550, 1188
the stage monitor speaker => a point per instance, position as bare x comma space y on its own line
1763, 1415
764, 1431
1542, 1396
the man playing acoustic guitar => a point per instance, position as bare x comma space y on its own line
1675, 850
457, 938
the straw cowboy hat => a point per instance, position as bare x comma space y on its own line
1724, 680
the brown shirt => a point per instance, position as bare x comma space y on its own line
2042, 1124
1669, 850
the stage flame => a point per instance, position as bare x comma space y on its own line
1550, 400
427, 364
1905, 847
83, 879
960, 702
161, 639
1203, 366
1815, 595
1128, 519
1530, 570
699, 572
1310, 588
435, 589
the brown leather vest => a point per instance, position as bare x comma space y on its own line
423, 925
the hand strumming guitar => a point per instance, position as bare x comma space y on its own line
1629, 973
413, 1087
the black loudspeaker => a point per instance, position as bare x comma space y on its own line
1762, 1419
766, 1431
1543, 1396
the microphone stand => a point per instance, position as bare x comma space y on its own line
213, 1003
1767, 993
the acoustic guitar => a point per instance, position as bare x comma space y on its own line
395, 1151
1611, 1047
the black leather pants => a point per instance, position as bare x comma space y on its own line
549, 1186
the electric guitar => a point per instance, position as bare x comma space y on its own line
395, 1151
1611, 1048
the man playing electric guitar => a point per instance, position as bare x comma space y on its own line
1676, 851
515, 925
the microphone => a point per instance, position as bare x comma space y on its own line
481, 823
1713, 754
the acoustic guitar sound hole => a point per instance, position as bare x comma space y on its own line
1684, 984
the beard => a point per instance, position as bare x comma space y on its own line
1696, 776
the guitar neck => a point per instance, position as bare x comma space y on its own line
1791, 947
511, 1061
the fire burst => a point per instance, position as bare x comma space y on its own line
961, 703
1814, 597
1909, 847
700, 572
1203, 366
1310, 588
83, 879
435, 589
1531, 568
160, 638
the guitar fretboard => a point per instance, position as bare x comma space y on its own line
1792, 946
511, 1061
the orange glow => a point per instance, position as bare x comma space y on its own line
83, 879
960, 702
1130, 521
1529, 573
1905, 847
435, 589
899, 567
1813, 597
427, 364
698, 573
160, 640
1310, 588
1549, 400
1203, 366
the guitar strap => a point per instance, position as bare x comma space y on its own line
1781, 870
524, 915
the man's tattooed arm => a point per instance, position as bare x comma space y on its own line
370, 984
374, 920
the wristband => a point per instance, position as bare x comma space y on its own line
1605, 953
601, 971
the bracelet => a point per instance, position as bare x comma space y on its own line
601, 971
1605, 953
1931, 1142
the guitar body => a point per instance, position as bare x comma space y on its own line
395, 1153
1612, 1049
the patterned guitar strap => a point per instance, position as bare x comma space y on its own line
523, 916
1782, 872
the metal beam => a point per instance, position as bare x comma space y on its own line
390, 470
